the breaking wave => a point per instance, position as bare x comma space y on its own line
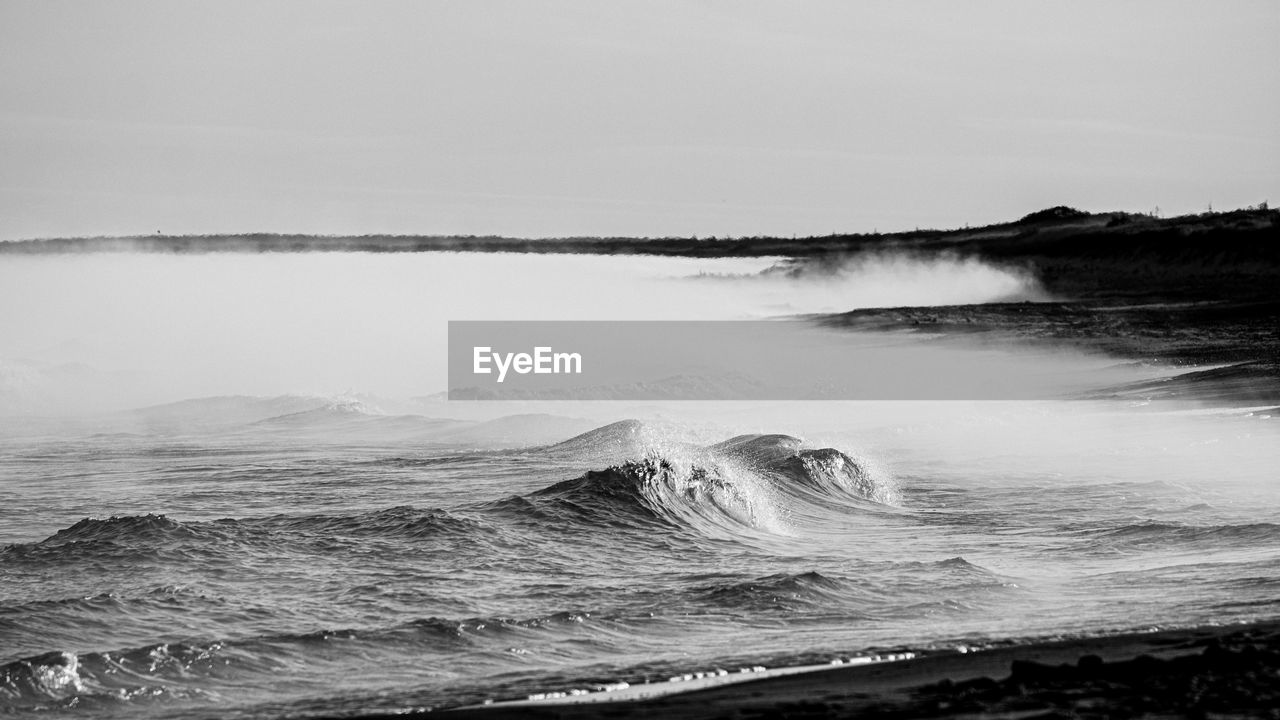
769, 483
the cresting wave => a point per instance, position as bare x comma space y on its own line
769, 482
762, 482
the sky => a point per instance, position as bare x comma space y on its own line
626, 118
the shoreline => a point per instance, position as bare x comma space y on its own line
1232, 669
1226, 352
1074, 254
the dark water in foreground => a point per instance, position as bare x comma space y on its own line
339, 562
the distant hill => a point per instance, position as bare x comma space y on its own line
1061, 212
1073, 251
1057, 223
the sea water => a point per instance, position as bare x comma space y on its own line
258, 549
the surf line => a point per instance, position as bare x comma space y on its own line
543, 361
625, 692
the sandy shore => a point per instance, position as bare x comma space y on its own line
1231, 671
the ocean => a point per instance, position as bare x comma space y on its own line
263, 555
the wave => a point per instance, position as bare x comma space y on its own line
403, 522
207, 413
623, 436
1139, 535
138, 527
336, 410
660, 489
61, 679
51, 676
520, 430
745, 486
209, 667
135, 536
775, 592
762, 482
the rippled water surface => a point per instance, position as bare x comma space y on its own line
301, 564
242, 546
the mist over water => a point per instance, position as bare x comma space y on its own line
337, 561
901, 279
98, 332
293, 533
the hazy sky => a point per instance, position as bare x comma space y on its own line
639, 118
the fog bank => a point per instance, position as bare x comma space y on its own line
96, 332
